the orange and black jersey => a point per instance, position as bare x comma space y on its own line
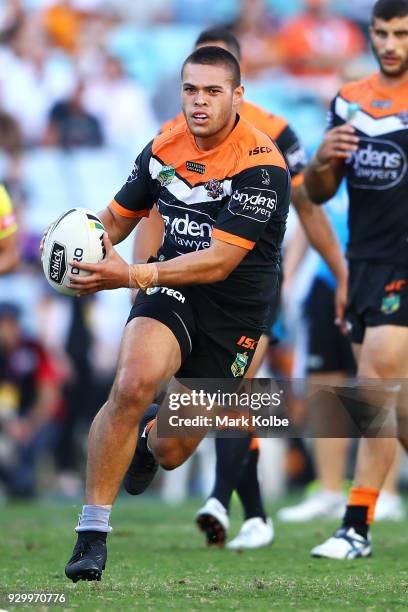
229, 193
276, 128
376, 173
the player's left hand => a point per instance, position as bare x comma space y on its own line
110, 273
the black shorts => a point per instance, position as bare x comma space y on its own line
377, 295
213, 343
328, 349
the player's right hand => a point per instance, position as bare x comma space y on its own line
338, 144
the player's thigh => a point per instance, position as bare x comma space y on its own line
384, 352
149, 354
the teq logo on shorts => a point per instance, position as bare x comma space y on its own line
177, 295
256, 204
58, 263
378, 164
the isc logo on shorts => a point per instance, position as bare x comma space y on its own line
177, 295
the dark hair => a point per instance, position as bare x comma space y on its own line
220, 34
216, 56
389, 9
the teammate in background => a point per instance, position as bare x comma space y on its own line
237, 457
225, 282
9, 251
329, 361
367, 143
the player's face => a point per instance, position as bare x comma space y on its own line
390, 44
209, 99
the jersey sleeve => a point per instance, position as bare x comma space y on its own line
8, 223
136, 197
257, 195
333, 119
293, 152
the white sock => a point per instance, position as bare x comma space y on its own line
94, 518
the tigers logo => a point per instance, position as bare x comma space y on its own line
214, 188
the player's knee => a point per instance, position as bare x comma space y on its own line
170, 454
380, 366
131, 390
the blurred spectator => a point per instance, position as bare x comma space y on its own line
71, 125
121, 106
11, 145
31, 404
10, 12
256, 30
317, 45
9, 250
31, 78
63, 22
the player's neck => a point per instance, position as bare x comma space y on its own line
206, 144
392, 82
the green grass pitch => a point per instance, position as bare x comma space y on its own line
158, 561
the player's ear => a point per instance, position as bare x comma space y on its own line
238, 95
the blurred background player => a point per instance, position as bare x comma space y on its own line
368, 128
237, 457
329, 360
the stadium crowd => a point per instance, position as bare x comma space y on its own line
84, 84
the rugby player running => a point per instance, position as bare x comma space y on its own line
237, 456
367, 143
223, 289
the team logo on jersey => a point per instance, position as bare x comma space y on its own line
403, 117
134, 174
239, 365
377, 164
214, 188
166, 175
266, 179
390, 303
195, 167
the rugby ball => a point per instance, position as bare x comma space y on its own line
75, 236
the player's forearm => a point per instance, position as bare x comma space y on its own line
198, 268
116, 227
148, 236
321, 236
294, 252
322, 180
